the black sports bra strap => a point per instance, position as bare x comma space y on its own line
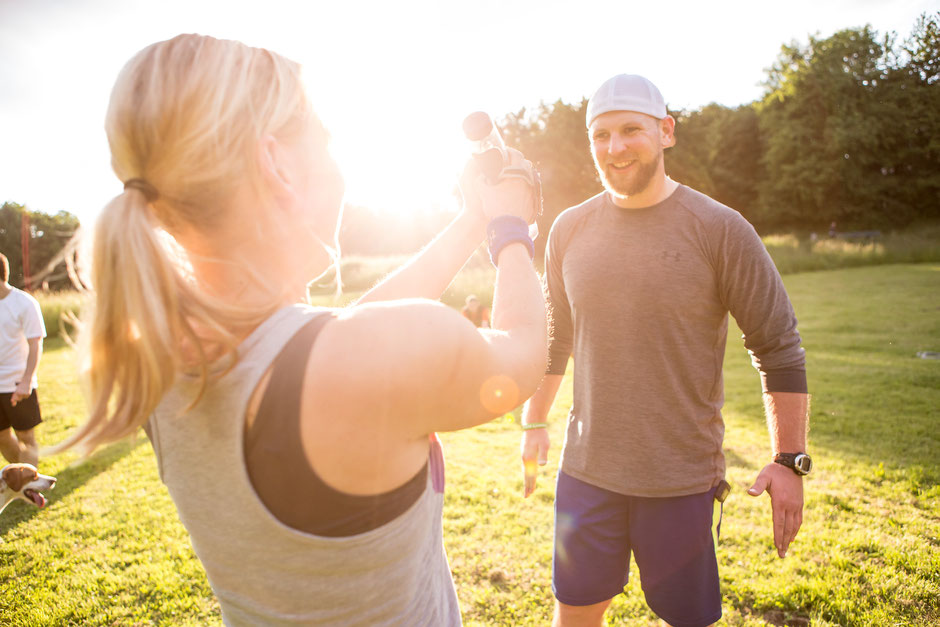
281, 472
272, 447
290, 366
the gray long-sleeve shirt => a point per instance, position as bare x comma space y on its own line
640, 298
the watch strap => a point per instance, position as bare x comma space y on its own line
789, 460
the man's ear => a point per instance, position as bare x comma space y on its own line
667, 131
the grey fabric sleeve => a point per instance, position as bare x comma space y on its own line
561, 336
752, 290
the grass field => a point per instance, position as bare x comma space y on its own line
108, 549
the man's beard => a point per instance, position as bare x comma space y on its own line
633, 182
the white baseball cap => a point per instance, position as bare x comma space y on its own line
626, 92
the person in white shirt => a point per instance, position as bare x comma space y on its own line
21, 334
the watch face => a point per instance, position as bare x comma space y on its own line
803, 464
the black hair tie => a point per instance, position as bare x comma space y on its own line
141, 185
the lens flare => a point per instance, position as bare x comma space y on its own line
565, 525
499, 394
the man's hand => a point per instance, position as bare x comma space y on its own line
22, 391
535, 445
786, 500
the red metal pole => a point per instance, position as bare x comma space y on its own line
24, 239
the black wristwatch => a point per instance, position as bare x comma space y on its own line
800, 463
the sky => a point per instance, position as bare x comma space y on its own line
392, 79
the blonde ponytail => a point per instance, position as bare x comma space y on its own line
184, 121
144, 309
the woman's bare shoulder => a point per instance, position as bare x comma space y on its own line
399, 343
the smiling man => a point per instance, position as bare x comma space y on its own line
641, 279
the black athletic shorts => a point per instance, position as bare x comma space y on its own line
24, 416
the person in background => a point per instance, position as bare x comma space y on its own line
297, 443
21, 333
475, 312
640, 280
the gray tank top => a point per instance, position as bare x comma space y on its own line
264, 572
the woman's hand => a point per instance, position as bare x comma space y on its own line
514, 194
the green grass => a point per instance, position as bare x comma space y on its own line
57, 308
914, 245
108, 550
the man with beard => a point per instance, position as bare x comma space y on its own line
641, 279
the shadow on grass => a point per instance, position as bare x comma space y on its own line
68, 480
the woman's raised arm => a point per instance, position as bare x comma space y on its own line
423, 365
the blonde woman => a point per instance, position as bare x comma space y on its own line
297, 443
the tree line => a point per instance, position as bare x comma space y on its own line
847, 131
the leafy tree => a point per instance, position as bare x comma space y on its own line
554, 138
922, 50
718, 151
689, 160
850, 127
912, 96
804, 153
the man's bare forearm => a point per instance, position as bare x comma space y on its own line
787, 420
32, 358
537, 407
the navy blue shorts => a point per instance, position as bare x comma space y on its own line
671, 539
23, 416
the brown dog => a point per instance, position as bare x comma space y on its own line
23, 481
